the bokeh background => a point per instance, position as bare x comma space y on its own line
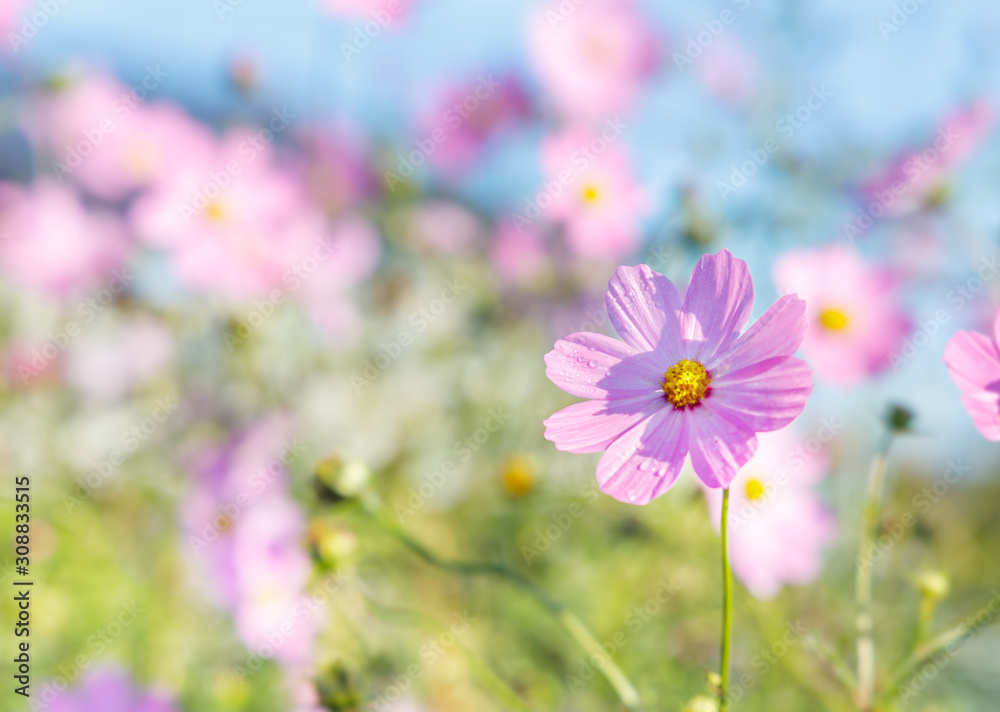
277, 283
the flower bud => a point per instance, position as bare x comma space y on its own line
338, 479
933, 584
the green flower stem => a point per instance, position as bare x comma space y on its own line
574, 626
727, 606
483, 673
953, 637
863, 583
821, 648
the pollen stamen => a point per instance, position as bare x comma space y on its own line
686, 383
833, 319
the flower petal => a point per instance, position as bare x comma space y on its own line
765, 401
645, 462
597, 366
974, 364
774, 337
643, 306
717, 305
973, 361
719, 445
593, 425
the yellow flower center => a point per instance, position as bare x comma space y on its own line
215, 212
591, 194
755, 490
833, 319
686, 383
518, 472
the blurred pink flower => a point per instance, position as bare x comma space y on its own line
325, 275
107, 366
973, 360
729, 72
471, 114
378, 10
103, 689
441, 226
232, 225
11, 12
685, 380
589, 187
856, 324
50, 242
778, 524
518, 255
335, 171
592, 58
910, 181
247, 537
111, 141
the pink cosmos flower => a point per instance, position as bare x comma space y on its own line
912, 179
50, 242
518, 255
105, 689
855, 321
233, 224
323, 278
471, 114
334, 169
686, 379
592, 57
112, 140
107, 362
10, 13
780, 524
590, 188
973, 359
246, 534
395, 10
441, 226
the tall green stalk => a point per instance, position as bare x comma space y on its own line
864, 620
727, 606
